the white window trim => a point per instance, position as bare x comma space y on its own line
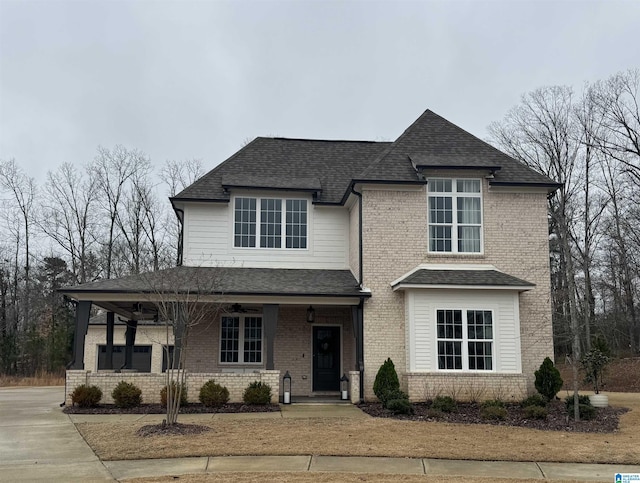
283, 223
241, 342
465, 340
454, 218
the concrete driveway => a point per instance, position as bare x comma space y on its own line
39, 442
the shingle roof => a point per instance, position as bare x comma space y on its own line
230, 281
443, 143
333, 163
473, 278
329, 167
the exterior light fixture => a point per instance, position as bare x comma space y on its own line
311, 315
344, 387
286, 388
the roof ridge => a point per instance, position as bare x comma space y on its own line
388, 151
280, 138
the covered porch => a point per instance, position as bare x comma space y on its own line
260, 324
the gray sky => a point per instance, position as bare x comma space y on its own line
195, 79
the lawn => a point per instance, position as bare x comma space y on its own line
376, 437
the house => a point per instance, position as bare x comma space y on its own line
324, 258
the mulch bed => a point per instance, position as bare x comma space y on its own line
606, 420
188, 409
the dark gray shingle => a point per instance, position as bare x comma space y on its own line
462, 278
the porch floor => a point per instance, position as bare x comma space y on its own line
320, 399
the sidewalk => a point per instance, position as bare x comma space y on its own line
398, 466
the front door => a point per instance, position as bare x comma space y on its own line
326, 358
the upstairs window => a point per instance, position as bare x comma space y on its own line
278, 219
455, 215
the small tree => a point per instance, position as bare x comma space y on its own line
548, 380
386, 383
594, 363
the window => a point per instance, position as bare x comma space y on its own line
241, 339
465, 340
276, 216
455, 215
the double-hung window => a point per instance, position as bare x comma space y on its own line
241, 339
455, 215
265, 222
465, 340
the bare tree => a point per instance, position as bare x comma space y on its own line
69, 216
541, 131
23, 192
113, 169
184, 298
180, 174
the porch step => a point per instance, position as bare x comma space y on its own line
318, 400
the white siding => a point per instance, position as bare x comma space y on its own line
422, 325
208, 240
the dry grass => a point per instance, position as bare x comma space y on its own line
328, 477
40, 379
376, 437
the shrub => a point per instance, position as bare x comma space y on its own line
535, 412
214, 395
548, 380
174, 387
386, 383
587, 411
86, 396
582, 400
493, 412
493, 403
594, 363
534, 400
400, 406
127, 395
257, 393
445, 404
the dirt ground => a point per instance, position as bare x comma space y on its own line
377, 437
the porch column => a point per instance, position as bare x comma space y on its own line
179, 324
130, 340
270, 320
108, 363
83, 310
358, 329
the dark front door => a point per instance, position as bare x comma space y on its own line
326, 358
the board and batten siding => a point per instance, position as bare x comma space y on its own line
421, 307
208, 240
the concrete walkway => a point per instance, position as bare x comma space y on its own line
40, 443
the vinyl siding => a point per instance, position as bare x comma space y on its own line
208, 240
422, 326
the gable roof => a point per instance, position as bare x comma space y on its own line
330, 168
288, 164
436, 143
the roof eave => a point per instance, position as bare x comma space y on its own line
519, 288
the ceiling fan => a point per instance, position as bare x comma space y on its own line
239, 309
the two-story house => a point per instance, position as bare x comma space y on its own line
327, 257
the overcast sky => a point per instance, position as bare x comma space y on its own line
182, 80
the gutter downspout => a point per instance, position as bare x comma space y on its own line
360, 310
360, 275
180, 216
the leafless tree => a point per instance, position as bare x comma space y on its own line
69, 216
541, 132
184, 298
113, 169
22, 189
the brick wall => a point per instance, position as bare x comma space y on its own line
395, 241
466, 387
152, 384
